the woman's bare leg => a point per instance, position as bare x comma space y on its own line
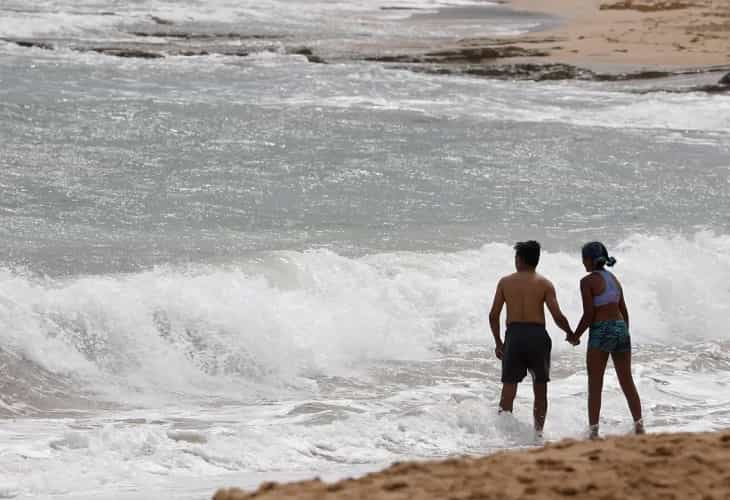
596, 362
622, 363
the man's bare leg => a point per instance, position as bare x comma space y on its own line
540, 407
509, 391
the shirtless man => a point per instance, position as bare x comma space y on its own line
527, 344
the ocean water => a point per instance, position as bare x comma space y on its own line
219, 270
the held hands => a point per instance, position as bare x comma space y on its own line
573, 339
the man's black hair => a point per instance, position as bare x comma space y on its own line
529, 252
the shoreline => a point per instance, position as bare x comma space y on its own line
593, 40
648, 467
633, 33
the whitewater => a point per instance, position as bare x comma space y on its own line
221, 270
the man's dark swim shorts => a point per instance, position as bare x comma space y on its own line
527, 347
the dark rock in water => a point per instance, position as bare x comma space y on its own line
477, 54
711, 89
638, 75
236, 53
162, 21
203, 36
725, 80
133, 53
558, 72
191, 53
644, 6
307, 52
462, 55
708, 89
302, 51
397, 7
167, 34
395, 59
524, 71
30, 44
540, 72
555, 71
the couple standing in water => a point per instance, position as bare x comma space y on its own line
527, 345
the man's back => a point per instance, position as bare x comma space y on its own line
525, 294
527, 344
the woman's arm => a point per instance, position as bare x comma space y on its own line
587, 295
622, 306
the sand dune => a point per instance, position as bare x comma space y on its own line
650, 467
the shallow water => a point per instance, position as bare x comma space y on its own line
217, 269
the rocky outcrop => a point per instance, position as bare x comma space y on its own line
644, 5
461, 55
477, 54
633, 75
127, 52
721, 87
145, 50
555, 71
187, 35
159, 20
29, 43
308, 53
526, 71
191, 53
400, 7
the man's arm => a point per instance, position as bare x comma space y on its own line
551, 300
494, 316
588, 312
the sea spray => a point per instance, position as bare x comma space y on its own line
282, 318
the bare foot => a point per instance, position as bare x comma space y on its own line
639, 427
593, 432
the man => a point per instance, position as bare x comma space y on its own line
527, 344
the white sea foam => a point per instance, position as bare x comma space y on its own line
574, 103
289, 316
104, 19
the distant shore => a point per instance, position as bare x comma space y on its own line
599, 40
650, 467
667, 33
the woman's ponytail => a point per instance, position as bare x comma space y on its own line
596, 251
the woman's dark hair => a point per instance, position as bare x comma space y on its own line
529, 252
596, 251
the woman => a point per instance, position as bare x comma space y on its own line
604, 311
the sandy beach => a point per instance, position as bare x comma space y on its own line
667, 466
633, 32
